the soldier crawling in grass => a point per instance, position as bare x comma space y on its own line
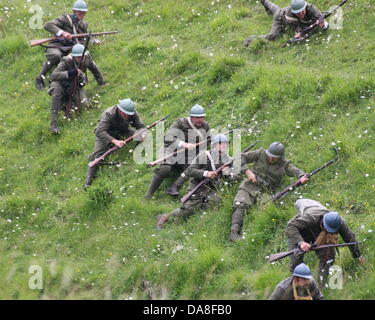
202, 167
184, 133
113, 126
266, 175
64, 26
314, 224
62, 81
298, 16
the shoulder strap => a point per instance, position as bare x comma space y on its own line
73, 26
211, 160
195, 128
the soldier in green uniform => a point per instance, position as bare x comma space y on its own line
62, 78
64, 26
297, 16
268, 169
184, 133
203, 166
318, 225
112, 128
300, 286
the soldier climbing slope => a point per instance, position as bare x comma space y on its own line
62, 82
297, 16
202, 167
113, 126
315, 224
266, 175
184, 133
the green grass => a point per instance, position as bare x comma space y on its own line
102, 243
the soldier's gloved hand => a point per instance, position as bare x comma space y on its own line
72, 73
67, 35
118, 143
211, 174
251, 176
188, 146
305, 246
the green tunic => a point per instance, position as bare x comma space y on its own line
307, 225
112, 126
182, 130
284, 290
206, 194
284, 18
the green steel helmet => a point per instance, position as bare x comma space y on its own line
80, 5
127, 106
197, 111
77, 50
302, 271
332, 222
298, 6
275, 150
220, 138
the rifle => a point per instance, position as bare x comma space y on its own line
298, 251
154, 163
308, 31
297, 183
185, 198
34, 43
75, 84
115, 148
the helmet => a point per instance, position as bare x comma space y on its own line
77, 50
302, 271
127, 106
80, 5
332, 222
197, 111
298, 6
275, 150
219, 138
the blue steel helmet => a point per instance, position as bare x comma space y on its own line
197, 111
332, 222
298, 6
302, 271
80, 5
219, 138
77, 50
127, 106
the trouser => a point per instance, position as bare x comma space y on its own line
270, 6
60, 96
54, 56
326, 260
165, 171
201, 200
243, 200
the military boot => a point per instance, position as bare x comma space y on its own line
39, 81
161, 221
54, 128
173, 189
155, 184
235, 233
90, 176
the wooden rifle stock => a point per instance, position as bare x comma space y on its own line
115, 148
38, 42
75, 84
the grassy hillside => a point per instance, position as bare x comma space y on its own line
102, 243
